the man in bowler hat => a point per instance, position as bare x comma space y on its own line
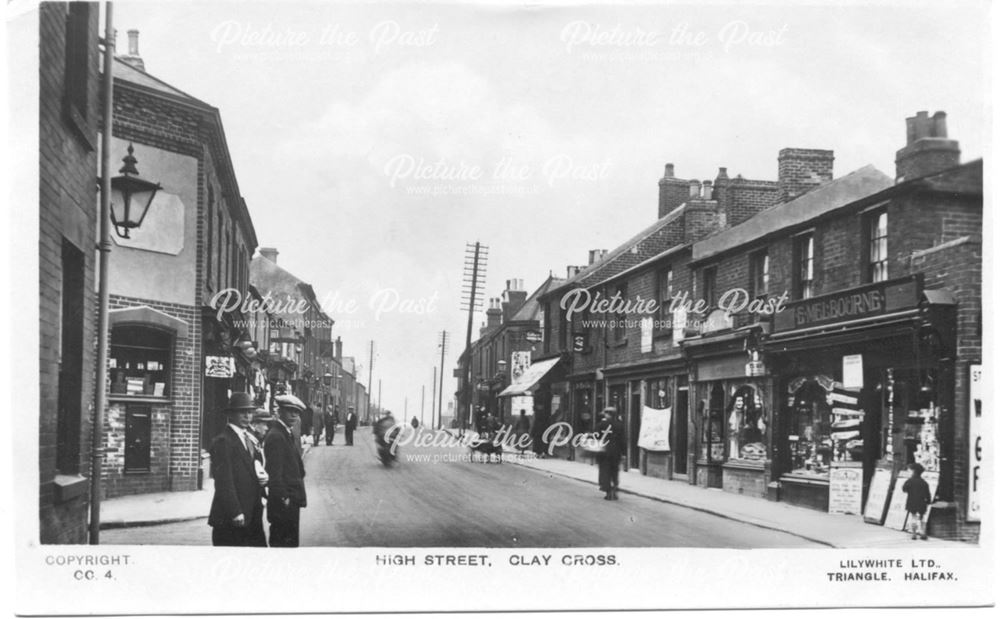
286, 490
350, 424
236, 515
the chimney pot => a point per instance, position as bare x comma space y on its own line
270, 253
940, 125
706, 190
668, 171
694, 188
722, 173
133, 42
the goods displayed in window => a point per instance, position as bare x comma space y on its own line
747, 425
139, 361
825, 426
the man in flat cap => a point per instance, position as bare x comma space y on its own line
236, 516
286, 490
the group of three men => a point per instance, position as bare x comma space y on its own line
249, 470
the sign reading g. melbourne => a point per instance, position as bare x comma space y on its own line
862, 302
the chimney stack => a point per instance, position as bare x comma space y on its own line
572, 271
338, 349
133, 58
596, 255
801, 170
270, 253
928, 149
706, 190
494, 314
673, 191
513, 298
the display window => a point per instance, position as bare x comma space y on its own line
139, 362
657, 393
713, 447
825, 426
747, 424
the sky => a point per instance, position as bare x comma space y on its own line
372, 142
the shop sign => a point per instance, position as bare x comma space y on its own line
853, 368
580, 342
718, 320
878, 494
646, 335
862, 302
520, 360
654, 429
755, 368
845, 490
533, 336
219, 367
976, 468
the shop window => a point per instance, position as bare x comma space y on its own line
878, 246
759, 267
140, 361
583, 410
804, 247
747, 425
810, 417
713, 449
657, 393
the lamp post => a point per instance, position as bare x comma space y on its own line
132, 194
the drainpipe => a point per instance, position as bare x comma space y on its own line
104, 247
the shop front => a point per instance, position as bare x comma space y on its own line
544, 382
864, 380
732, 395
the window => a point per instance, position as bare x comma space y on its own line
619, 318
708, 286
70, 408
76, 74
746, 425
878, 246
804, 266
811, 447
665, 287
759, 267
657, 393
210, 233
140, 361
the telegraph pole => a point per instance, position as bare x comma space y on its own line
476, 255
422, 404
434, 384
371, 362
444, 346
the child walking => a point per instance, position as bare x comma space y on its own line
918, 497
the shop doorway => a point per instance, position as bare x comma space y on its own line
680, 427
633, 427
214, 400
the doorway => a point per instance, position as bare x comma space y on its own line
681, 428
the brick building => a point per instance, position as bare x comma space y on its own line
866, 366
173, 359
69, 109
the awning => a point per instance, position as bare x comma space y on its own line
531, 377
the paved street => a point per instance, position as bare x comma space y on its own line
435, 497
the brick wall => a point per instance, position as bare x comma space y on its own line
67, 209
176, 452
741, 198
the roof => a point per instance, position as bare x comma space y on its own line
268, 277
828, 197
531, 308
124, 71
649, 242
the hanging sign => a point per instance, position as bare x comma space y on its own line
976, 468
845, 490
853, 367
219, 367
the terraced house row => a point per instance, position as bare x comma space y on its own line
838, 337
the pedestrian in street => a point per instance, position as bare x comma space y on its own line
319, 424
236, 515
331, 424
350, 424
611, 431
918, 497
523, 429
260, 424
286, 490
415, 422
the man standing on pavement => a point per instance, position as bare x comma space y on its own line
610, 430
319, 424
350, 424
236, 515
332, 419
286, 490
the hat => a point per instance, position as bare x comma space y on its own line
290, 401
239, 401
261, 415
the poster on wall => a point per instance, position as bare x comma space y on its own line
219, 367
853, 369
654, 429
878, 494
845, 490
519, 362
976, 468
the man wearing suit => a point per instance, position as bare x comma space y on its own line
332, 420
350, 424
236, 516
611, 430
286, 490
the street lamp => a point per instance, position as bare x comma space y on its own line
131, 196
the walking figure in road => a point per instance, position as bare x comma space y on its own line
523, 432
332, 419
287, 492
611, 431
236, 515
386, 433
918, 497
350, 424
319, 424
415, 422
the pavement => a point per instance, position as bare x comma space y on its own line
832, 530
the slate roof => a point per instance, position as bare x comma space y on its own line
531, 309
267, 277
